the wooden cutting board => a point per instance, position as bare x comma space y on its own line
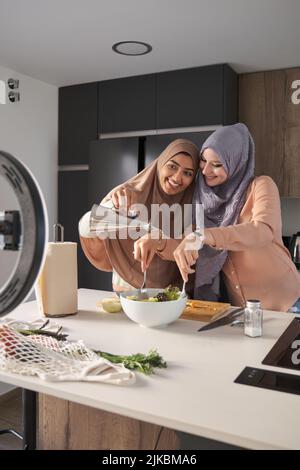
203, 310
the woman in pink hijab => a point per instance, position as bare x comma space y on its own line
170, 179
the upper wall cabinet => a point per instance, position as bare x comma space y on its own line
197, 97
267, 108
77, 123
202, 96
127, 104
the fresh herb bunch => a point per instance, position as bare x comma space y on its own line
144, 363
41, 331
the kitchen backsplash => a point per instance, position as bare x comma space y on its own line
290, 212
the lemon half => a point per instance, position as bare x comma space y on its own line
110, 305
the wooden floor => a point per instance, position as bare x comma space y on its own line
11, 417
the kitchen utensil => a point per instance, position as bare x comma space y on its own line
152, 314
142, 291
237, 323
183, 293
225, 320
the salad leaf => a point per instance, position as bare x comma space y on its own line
169, 293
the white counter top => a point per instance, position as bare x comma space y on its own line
196, 393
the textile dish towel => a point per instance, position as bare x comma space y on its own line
56, 288
57, 361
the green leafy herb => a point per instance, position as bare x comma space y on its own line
144, 363
169, 293
40, 331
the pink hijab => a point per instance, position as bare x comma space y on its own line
147, 191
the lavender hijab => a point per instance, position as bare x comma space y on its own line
222, 204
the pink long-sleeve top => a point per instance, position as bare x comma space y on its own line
258, 265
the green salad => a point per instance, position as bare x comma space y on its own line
169, 293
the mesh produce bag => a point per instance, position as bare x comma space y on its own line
54, 360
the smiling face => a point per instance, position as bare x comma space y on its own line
177, 174
212, 168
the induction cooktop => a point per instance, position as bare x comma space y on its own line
285, 354
272, 380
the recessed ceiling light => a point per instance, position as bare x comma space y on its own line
132, 48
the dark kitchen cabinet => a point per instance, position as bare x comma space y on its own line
127, 104
112, 161
72, 204
155, 144
194, 97
77, 122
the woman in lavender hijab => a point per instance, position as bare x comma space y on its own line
242, 228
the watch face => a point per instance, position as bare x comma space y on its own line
23, 232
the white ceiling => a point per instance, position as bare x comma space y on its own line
64, 42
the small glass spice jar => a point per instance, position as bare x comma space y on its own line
253, 318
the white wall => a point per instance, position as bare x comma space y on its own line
29, 131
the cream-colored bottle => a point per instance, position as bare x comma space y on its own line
56, 288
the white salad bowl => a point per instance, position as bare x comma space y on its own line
152, 314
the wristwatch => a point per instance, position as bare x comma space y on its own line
196, 240
200, 238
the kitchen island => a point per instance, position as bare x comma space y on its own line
196, 394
